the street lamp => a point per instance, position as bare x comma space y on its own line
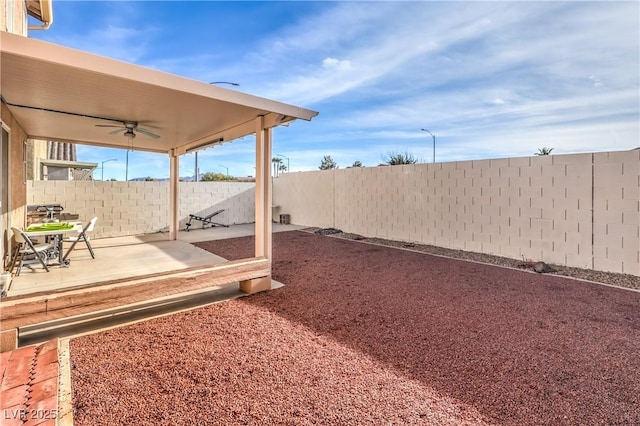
106, 161
225, 82
434, 143
126, 168
284, 156
220, 165
196, 171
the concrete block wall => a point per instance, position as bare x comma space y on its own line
617, 211
203, 198
307, 196
537, 208
133, 208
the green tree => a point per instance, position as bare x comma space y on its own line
397, 158
544, 151
327, 163
149, 179
218, 177
357, 163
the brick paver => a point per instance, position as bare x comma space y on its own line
29, 387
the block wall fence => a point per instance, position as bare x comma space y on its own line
133, 208
580, 210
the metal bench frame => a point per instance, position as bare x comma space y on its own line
206, 220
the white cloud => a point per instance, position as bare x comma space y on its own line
449, 44
333, 63
595, 80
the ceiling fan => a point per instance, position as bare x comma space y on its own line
130, 128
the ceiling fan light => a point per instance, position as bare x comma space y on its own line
129, 133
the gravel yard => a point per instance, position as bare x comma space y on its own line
365, 334
610, 278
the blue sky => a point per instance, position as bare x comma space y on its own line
489, 79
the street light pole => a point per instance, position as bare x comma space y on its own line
196, 177
284, 156
106, 161
434, 143
220, 165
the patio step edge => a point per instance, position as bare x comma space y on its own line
122, 315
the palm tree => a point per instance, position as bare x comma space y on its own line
277, 164
544, 151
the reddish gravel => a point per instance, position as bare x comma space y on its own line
364, 334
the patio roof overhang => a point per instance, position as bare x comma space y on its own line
69, 164
42, 10
58, 93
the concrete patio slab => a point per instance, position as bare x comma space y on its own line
129, 257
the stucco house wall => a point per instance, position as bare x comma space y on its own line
17, 183
13, 17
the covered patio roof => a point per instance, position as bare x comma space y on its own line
58, 93
61, 94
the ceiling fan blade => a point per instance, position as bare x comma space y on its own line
117, 131
147, 132
107, 125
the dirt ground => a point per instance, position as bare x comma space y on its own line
364, 334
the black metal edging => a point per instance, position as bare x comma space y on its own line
93, 322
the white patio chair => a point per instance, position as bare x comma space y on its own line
82, 236
27, 253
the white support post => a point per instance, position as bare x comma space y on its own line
263, 190
267, 183
264, 224
174, 195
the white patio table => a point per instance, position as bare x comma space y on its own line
54, 231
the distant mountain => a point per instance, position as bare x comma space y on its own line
190, 179
182, 178
142, 179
